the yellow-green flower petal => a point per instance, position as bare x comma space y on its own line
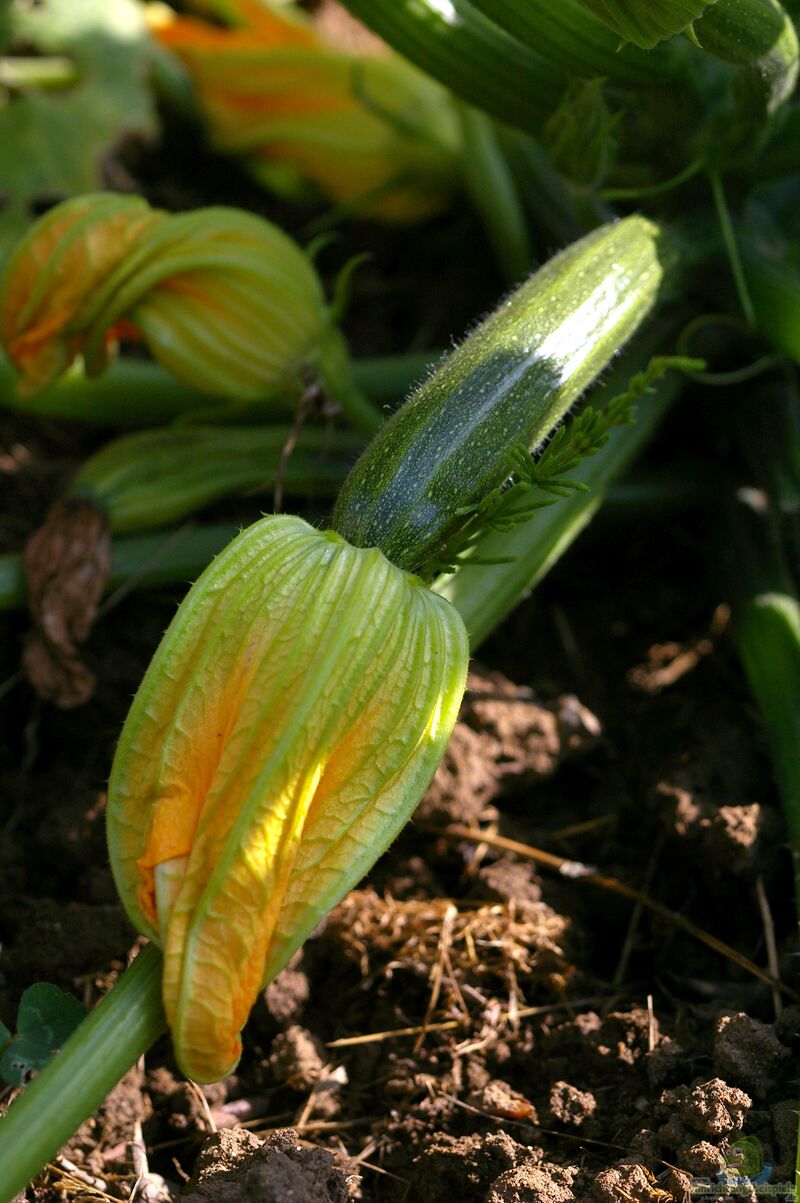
290, 721
368, 130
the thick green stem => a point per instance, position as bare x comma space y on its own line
156, 477
454, 42
566, 34
140, 562
494, 193
78, 1078
136, 392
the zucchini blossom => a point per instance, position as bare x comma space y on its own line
366, 129
223, 299
285, 730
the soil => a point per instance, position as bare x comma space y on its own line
468, 1025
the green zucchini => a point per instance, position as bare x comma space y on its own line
758, 36
510, 382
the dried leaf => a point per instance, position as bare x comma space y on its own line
67, 565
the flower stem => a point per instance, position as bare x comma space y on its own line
79, 1077
137, 392
731, 247
139, 561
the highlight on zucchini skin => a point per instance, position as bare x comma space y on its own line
223, 299
285, 730
509, 383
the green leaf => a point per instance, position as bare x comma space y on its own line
53, 139
647, 22
5, 1035
46, 1017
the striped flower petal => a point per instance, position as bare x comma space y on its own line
290, 721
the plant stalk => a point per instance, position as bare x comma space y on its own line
138, 562
128, 1020
137, 392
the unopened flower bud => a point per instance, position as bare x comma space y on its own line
288, 725
225, 300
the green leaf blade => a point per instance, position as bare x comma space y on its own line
46, 1018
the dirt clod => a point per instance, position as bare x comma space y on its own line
629, 1182
507, 880
534, 1184
747, 1052
464, 1167
711, 1108
701, 1158
297, 1058
679, 1185
235, 1166
570, 1105
286, 996
499, 1099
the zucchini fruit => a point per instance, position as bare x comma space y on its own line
509, 383
757, 36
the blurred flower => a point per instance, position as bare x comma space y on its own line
290, 721
222, 298
368, 130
